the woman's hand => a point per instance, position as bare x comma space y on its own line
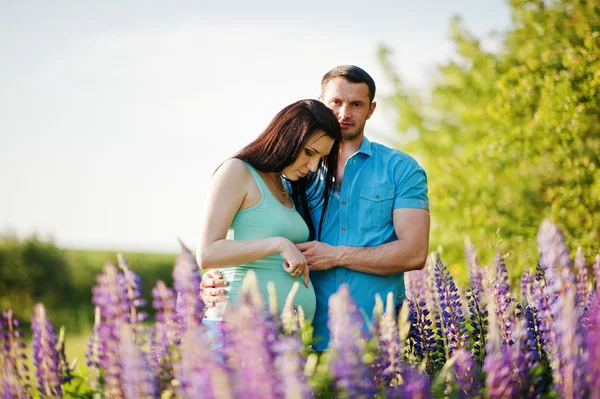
294, 262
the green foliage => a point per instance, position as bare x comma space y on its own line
32, 271
85, 265
512, 136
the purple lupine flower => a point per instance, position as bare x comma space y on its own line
498, 364
186, 281
44, 354
420, 332
431, 291
592, 349
415, 385
545, 320
160, 356
466, 375
532, 293
527, 352
570, 379
478, 320
421, 339
540, 275
503, 300
583, 286
499, 382
131, 284
138, 380
351, 375
163, 302
10, 382
113, 311
416, 283
12, 352
565, 356
165, 333
527, 279
65, 367
475, 271
381, 362
197, 370
554, 254
94, 352
289, 368
289, 313
425, 339
451, 307
389, 343
524, 358
249, 349
596, 270
439, 353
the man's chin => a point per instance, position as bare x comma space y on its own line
349, 136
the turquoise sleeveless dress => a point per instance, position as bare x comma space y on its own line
268, 218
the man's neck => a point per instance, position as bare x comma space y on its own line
347, 149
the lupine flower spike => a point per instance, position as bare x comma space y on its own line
351, 375
45, 355
14, 371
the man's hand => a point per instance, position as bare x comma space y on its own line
320, 256
212, 280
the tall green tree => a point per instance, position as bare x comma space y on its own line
511, 136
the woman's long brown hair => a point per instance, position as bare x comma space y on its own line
280, 144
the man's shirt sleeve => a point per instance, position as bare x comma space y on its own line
411, 186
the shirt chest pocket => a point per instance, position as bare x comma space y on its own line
375, 207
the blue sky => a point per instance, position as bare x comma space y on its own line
113, 115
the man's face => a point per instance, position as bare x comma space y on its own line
351, 105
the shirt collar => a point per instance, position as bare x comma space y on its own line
365, 147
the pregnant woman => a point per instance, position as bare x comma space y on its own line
252, 222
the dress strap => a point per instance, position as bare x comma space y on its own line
262, 186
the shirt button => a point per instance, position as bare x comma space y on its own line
343, 228
341, 280
344, 202
377, 196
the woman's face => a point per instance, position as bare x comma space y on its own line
317, 147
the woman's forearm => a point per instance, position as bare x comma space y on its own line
226, 253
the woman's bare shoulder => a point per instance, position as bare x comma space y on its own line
233, 170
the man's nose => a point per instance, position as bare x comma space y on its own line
344, 112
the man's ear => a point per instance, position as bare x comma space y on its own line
320, 97
371, 109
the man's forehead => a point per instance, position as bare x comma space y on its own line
343, 89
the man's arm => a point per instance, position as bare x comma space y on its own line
212, 279
409, 252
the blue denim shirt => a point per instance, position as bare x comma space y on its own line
377, 180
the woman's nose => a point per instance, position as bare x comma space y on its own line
313, 164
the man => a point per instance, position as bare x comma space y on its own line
377, 224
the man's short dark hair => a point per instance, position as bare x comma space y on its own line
352, 74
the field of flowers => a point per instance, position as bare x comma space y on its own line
486, 341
